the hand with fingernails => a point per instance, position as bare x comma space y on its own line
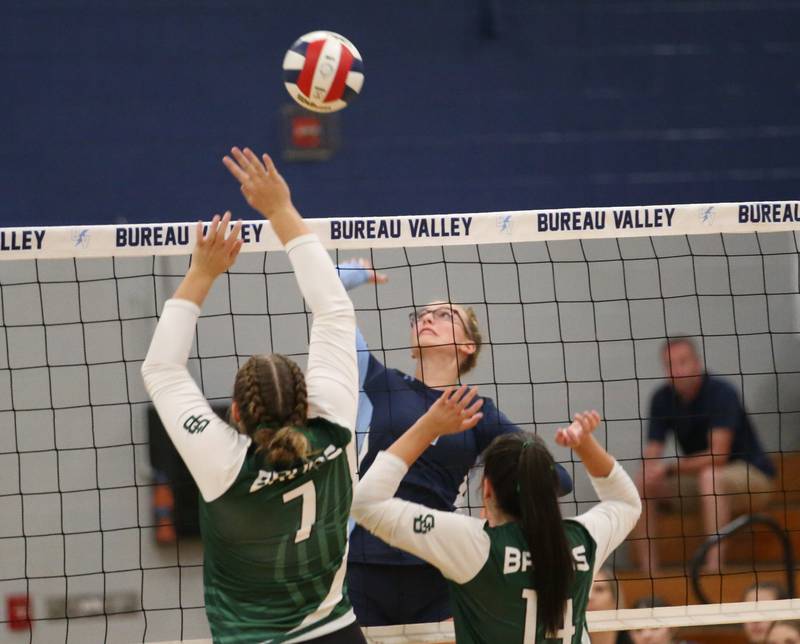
261, 184
582, 426
216, 250
454, 411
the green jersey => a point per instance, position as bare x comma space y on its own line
275, 542
499, 603
488, 569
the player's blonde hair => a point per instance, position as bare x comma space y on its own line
474, 333
270, 391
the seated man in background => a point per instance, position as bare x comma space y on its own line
723, 464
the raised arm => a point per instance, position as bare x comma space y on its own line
332, 373
456, 544
353, 273
267, 192
611, 520
212, 450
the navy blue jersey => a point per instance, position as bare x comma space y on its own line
391, 402
716, 405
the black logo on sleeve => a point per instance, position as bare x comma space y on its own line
195, 424
423, 523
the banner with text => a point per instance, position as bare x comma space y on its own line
409, 231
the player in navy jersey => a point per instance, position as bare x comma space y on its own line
276, 487
523, 575
388, 585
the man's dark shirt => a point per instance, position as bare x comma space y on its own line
716, 405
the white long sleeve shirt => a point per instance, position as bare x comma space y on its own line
331, 376
489, 569
275, 540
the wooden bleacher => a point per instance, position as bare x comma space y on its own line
674, 586
754, 555
679, 535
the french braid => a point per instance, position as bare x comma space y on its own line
272, 398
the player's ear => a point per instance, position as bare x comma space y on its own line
487, 489
467, 348
235, 415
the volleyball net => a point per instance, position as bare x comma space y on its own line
98, 536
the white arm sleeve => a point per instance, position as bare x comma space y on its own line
456, 544
611, 520
332, 373
212, 450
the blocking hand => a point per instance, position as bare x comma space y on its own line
455, 411
214, 253
261, 184
582, 426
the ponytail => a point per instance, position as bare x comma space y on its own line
283, 447
523, 477
541, 522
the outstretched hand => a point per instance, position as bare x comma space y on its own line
214, 253
454, 411
582, 427
261, 184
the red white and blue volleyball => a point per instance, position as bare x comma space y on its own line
323, 71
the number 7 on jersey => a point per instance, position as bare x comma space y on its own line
308, 512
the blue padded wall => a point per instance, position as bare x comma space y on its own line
120, 111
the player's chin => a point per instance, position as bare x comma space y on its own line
425, 335
431, 341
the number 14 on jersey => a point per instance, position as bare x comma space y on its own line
564, 634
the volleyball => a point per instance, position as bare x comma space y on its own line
323, 71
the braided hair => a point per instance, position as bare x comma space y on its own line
270, 391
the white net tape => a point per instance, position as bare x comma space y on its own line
604, 620
618, 620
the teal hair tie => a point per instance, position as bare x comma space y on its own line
525, 445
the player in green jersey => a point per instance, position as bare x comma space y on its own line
276, 486
523, 575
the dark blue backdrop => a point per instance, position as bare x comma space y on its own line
121, 110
